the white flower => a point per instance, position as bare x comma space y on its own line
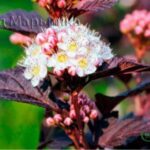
35, 72
76, 49
59, 61
85, 66
35, 64
105, 52
82, 49
33, 50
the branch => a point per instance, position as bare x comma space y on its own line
13, 86
107, 103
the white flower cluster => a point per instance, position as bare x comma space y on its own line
66, 46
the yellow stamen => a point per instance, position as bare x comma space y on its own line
62, 58
83, 63
72, 46
36, 70
35, 52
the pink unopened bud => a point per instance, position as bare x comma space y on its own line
18, 38
60, 35
49, 122
91, 104
138, 30
42, 3
86, 119
142, 23
49, 1
40, 38
52, 40
68, 121
124, 26
93, 114
50, 32
57, 118
86, 108
72, 71
81, 101
47, 49
72, 107
82, 113
72, 114
147, 33
61, 3
58, 72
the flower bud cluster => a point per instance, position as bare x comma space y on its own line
87, 112
67, 46
48, 41
137, 23
88, 109
58, 3
136, 27
56, 8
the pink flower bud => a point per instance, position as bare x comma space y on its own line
72, 71
86, 108
142, 23
52, 40
60, 35
40, 39
51, 32
42, 3
125, 26
68, 121
61, 3
81, 101
72, 107
72, 114
82, 113
49, 122
147, 33
138, 30
18, 38
91, 104
49, 1
47, 49
58, 72
93, 114
86, 119
57, 118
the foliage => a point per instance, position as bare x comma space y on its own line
60, 92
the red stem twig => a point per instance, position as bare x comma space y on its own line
79, 120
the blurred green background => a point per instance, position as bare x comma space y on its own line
20, 123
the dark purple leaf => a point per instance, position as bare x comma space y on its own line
103, 122
106, 103
15, 87
54, 138
95, 5
60, 143
118, 133
119, 66
23, 22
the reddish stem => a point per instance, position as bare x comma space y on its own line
79, 119
72, 135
